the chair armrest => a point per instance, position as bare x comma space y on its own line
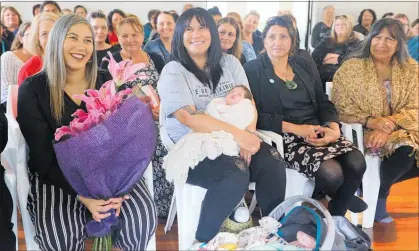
274, 137
347, 131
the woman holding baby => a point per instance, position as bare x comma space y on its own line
290, 101
199, 73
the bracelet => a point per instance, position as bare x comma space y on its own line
247, 130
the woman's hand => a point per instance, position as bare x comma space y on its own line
331, 58
376, 139
383, 124
328, 136
99, 208
247, 141
305, 131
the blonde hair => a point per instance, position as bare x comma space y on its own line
253, 12
237, 45
54, 64
132, 20
17, 44
34, 47
236, 16
12, 9
349, 33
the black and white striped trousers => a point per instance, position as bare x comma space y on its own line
60, 219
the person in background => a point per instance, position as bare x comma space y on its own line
59, 214
66, 11
415, 27
13, 60
37, 41
148, 27
7, 237
187, 7
50, 6
130, 33
36, 9
80, 10
366, 19
247, 48
198, 73
215, 13
230, 38
114, 17
100, 27
153, 34
11, 20
378, 88
251, 22
388, 15
330, 53
322, 29
5, 45
412, 41
165, 24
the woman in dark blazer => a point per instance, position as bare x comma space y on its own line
290, 101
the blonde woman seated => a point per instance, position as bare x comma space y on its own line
378, 87
331, 51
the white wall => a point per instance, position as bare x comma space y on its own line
139, 8
353, 8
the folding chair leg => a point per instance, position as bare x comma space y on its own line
171, 216
252, 204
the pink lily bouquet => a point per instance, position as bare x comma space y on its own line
92, 150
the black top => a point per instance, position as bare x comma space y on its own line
297, 106
361, 29
38, 126
270, 106
327, 71
257, 43
3, 143
320, 31
157, 60
103, 53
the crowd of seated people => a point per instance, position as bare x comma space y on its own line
190, 59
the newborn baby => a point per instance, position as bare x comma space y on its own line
235, 108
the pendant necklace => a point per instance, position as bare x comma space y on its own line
291, 85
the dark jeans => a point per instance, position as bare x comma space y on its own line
401, 165
7, 237
340, 178
226, 180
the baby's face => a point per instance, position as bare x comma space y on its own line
235, 96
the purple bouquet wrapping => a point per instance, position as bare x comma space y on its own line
108, 159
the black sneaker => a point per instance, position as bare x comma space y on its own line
357, 205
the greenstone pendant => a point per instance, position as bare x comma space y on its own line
291, 84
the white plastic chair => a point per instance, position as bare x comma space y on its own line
371, 180
187, 198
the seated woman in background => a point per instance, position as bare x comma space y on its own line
198, 73
165, 25
329, 54
13, 60
322, 29
248, 51
99, 24
114, 17
378, 88
412, 39
291, 102
131, 35
37, 43
45, 103
11, 20
230, 37
251, 22
366, 19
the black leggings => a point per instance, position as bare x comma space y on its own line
401, 165
7, 237
227, 179
340, 178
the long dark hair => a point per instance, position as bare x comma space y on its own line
395, 28
213, 70
374, 16
110, 15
